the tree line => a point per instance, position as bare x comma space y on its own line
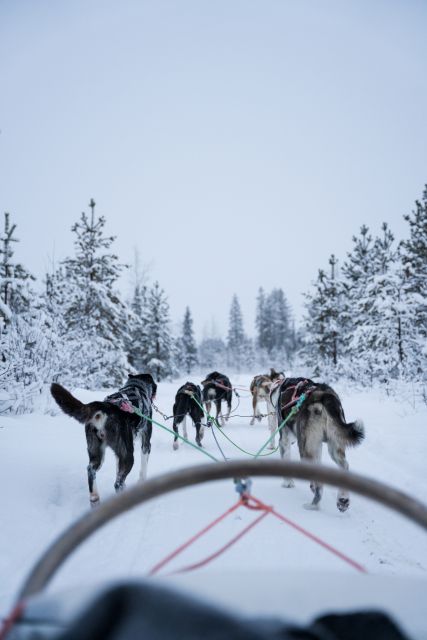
366, 317
82, 331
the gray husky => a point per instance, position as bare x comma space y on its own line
319, 419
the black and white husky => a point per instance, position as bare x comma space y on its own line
113, 423
217, 388
185, 406
320, 419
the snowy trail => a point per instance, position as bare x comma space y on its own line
43, 489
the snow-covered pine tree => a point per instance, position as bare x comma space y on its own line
95, 317
157, 342
136, 321
261, 322
51, 305
188, 348
137, 329
381, 341
16, 293
414, 287
24, 346
356, 272
374, 335
236, 338
414, 260
279, 325
324, 323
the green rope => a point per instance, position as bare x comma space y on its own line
292, 412
243, 450
162, 426
259, 453
215, 422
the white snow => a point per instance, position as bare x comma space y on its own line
44, 488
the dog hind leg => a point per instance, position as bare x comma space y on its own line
184, 427
124, 465
310, 432
338, 456
145, 451
285, 440
229, 398
96, 451
199, 432
272, 423
219, 417
176, 422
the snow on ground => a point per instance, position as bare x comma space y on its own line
44, 489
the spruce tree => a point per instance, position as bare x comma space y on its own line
137, 328
157, 344
16, 293
413, 253
279, 330
96, 319
356, 271
236, 336
325, 323
414, 260
261, 320
374, 327
188, 348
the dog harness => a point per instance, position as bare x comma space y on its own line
133, 394
190, 389
297, 386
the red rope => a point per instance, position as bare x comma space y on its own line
253, 503
311, 536
224, 548
198, 535
13, 617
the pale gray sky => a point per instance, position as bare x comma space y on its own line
236, 143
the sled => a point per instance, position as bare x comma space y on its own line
253, 604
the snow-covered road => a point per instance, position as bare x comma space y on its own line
43, 489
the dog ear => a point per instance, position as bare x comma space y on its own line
147, 377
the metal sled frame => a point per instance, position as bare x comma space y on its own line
67, 542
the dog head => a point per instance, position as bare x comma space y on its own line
276, 375
148, 378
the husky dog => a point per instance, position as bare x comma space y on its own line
185, 405
113, 423
216, 388
319, 419
260, 388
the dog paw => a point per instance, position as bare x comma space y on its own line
343, 504
310, 506
271, 446
175, 446
288, 484
94, 501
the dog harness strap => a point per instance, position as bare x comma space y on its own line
132, 394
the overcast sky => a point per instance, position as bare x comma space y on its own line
235, 143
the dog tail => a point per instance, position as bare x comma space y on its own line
352, 432
69, 404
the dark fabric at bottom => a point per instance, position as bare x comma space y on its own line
132, 611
